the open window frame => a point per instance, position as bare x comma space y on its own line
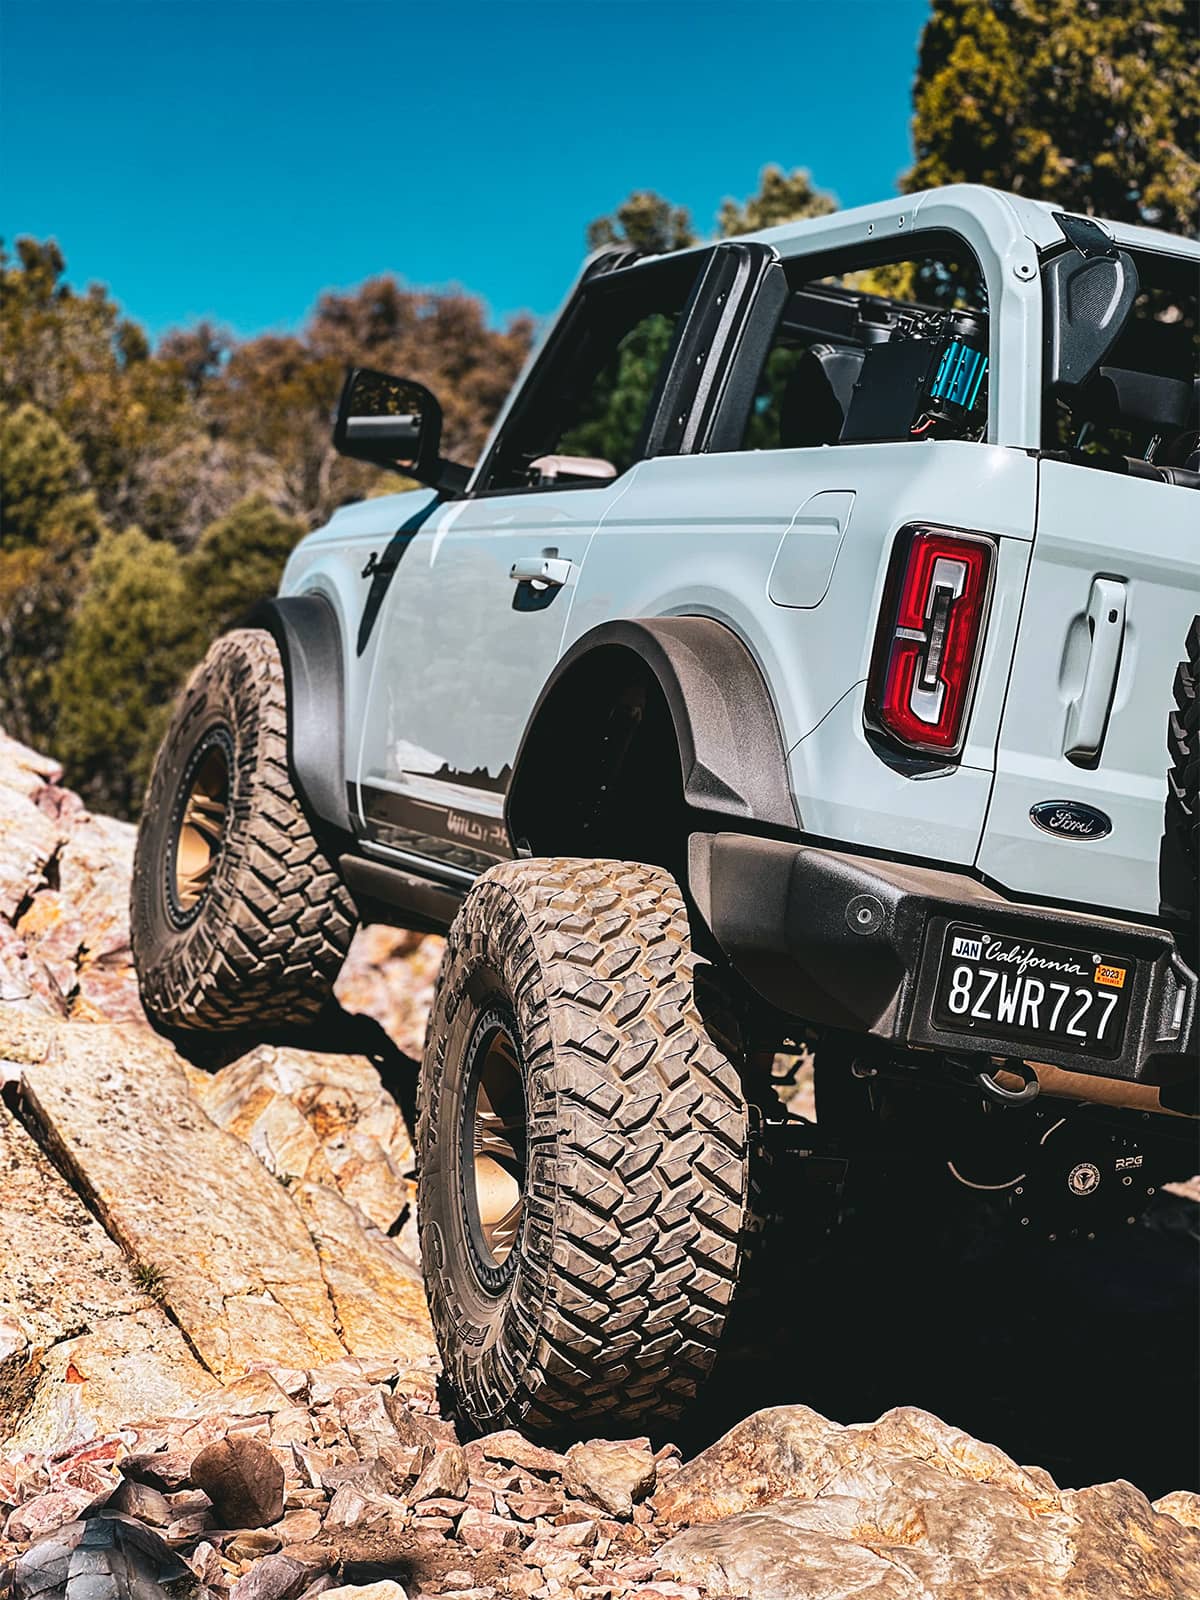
716, 284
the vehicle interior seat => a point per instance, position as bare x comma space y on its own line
817, 396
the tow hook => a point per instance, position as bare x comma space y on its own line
996, 1092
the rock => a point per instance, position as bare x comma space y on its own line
299, 1527
368, 1423
187, 1528
480, 1531
29, 839
243, 1480
412, 1428
164, 1469
140, 1501
445, 1477
1183, 1505
354, 1506
273, 1578
115, 1105
253, 1394
510, 1446
791, 1450
385, 1589
97, 1350
379, 1301
318, 1118
904, 1509
45, 1513
613, 1476
389, 974
252, 1544
314, 1557
205, 1562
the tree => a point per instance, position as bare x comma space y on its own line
644, 222
75, 358
1085, 102
781, 197
238, 561
48, 524
132, 639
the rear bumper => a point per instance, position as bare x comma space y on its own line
855, 943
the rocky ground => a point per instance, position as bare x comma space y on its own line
217, 1376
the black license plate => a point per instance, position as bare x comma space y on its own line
998, 986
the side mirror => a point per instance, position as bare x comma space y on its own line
394, 422
1087, 303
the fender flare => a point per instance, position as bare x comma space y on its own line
733, 764
305, 627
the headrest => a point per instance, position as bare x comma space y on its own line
818, 395
1120, 395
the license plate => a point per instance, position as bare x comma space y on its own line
1003, 987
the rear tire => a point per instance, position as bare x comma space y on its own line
238, 918
566, 1007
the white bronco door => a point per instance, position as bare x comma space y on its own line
478, 606
470, 629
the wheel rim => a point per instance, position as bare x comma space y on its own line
203, 815
494, 1147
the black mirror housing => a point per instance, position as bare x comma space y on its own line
396, 423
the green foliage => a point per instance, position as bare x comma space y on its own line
1088, 103
150, 1278
644, 222
653, 226
781, 197
214, 456
238, 562
48, 524
133, 638
76, 359
620, 398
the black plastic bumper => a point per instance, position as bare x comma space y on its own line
855, 943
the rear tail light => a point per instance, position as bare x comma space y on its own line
930, 635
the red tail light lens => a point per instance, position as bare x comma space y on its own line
929, 638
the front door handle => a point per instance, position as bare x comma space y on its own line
1087, 715
550, 571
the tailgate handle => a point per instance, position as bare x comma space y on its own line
1087, 716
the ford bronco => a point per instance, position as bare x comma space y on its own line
809, 661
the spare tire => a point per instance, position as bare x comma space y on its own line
1179, 886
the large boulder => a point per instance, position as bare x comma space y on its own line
791, 1506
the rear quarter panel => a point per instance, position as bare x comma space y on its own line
699, 535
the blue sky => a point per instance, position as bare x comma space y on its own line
232, 160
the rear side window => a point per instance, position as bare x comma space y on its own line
593, 397
877, 352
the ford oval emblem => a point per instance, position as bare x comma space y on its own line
1070, 819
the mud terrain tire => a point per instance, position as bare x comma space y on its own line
263, 938
1179, 880
623, 1264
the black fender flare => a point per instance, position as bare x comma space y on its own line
733, 764
305, 627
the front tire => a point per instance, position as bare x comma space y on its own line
238, 918
583, 1151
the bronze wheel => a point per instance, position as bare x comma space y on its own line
201, 827
494, 1153
239, 920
